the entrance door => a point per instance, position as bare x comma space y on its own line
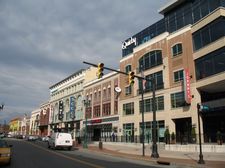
183, 130
97, 134
128, 134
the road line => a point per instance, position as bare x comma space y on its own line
67, 157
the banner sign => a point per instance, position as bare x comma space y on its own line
187, 86
72, 107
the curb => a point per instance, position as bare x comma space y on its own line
161, 161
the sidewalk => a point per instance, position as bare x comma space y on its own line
175, 159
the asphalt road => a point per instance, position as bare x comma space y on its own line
37, 155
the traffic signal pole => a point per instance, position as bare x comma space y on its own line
152, 80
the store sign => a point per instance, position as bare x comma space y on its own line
129, 42
187, 86
72, 107
96, 121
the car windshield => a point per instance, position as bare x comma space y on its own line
3, 144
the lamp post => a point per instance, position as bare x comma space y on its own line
142, 113
86, 104
154, 145
201, 161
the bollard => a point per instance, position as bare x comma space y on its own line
100, 145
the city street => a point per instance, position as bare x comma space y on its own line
37, 155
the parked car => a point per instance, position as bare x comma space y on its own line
45, 138
32, 137
5, 152
62, 140
2, 135
9, 136
19, 136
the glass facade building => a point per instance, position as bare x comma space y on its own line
189, 12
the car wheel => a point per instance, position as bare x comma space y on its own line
69, 148
48, 145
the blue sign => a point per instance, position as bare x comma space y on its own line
204, 108
72, 107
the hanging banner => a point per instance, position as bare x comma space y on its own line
72, 107
187, 87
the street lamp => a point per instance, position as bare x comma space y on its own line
86, 104
201, 161
142, 112
154, 145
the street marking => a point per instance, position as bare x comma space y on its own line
67, 157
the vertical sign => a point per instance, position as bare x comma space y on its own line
72, 107
187, 86
60, 116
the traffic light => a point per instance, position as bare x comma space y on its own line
60, 115
100, 70
131, 78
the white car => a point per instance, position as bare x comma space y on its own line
45, 139
62, 140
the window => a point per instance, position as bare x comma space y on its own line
159, 104
215, 60
158, 82
128, 68
128, 108
128, 90
115, 107
150, 60
109, 92
209, 33
177, 100
178, 76
104, 93
177, 49
106, 109
97, 111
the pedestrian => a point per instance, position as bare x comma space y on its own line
113, 136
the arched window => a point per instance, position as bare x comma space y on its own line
177, 49
150, 60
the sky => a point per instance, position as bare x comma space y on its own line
45, 41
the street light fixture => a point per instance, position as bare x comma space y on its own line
2, 106
86, 104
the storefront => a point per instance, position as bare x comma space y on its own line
102, 129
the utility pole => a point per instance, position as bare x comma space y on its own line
152, 80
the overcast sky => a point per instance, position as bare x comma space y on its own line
44, 41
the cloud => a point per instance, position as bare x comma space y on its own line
43, 42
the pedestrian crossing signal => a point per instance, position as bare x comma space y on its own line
131, 78
100, 70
